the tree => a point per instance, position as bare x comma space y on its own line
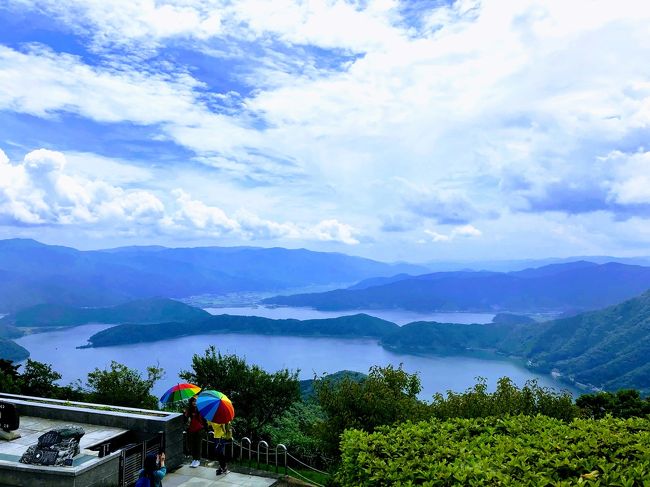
387, 396
508, 399
258, 397
38, 379
625, 403
9, 377
296, 429
122, 386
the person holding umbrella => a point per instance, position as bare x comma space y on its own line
197, 424
223, 439
218, 409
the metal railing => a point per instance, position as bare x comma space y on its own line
132, 458
262, 454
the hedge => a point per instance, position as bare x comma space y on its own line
516, 450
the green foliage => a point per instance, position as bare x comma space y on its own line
296, 429
530, 400
122, 386
511, 451
9, 377
38, 379
626, 403
307, 391
258, 397
388, 395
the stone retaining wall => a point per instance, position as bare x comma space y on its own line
103, 472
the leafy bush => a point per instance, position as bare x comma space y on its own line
512, 451
295, 430
386, 396
626, 403
531, 399
122, 386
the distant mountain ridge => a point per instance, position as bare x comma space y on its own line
35, 273
557, 287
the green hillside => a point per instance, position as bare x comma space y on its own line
153, 310
354, 326
10, 350
607, 348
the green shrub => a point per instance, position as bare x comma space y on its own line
626, 403
388, 395
511, 451
508, 399
295, 430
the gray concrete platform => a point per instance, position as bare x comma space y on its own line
204, 476
32, 427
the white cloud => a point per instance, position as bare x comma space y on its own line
211, 220
38, 191
503, 107
333, 230
630, 184
41, 191
463, 231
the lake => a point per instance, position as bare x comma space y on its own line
310, 355
398, 316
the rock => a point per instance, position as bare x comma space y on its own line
8, 435
57, 447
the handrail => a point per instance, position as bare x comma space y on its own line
305, 465
262, 455
284, 448
298, 474
266, 445
241, 448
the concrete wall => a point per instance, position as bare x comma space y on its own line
144, 424
103, 473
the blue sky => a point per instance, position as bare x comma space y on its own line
397, 130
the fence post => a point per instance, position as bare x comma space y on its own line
284, 449
250, 449
266, 445
122, 465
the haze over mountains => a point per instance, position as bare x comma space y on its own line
33, 273
572, 286
51, 286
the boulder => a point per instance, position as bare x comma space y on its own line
57, 447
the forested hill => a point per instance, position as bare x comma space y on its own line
153, 310
608, 348
574, 286
356, 326
10, 350
34, 273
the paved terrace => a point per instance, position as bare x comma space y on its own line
32, 427
204, 476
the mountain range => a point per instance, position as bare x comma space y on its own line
574, 286
35, 273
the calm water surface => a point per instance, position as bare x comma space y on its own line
398, 316
310, 355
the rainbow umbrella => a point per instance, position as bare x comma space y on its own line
215, 407
179, 392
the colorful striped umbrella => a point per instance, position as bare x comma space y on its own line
179, 392
215, 407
